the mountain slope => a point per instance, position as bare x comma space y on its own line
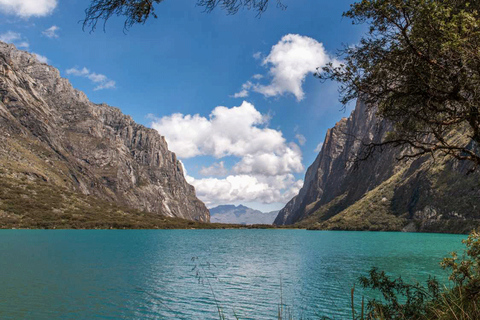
240, 215
51, 133
382, 193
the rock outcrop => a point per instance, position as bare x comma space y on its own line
382, 193
52, 133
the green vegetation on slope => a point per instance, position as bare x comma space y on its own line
395, 205
38, 204
372, 212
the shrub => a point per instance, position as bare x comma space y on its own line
406, 301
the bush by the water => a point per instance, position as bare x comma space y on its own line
400, 300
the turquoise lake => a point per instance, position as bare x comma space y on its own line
150, 274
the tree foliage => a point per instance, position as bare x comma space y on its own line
400, 300
138, 11
419, 63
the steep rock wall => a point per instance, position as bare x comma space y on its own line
52, 132
382, 193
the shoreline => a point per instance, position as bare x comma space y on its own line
234, 227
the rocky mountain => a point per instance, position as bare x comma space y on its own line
382, 193
241, 215
81, 154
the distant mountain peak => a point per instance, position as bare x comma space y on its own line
240, 214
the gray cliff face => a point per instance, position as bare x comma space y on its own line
332, 171
380, 193
48, 126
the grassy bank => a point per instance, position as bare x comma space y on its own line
26, 204
33, 203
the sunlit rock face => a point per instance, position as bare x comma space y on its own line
382, 193
52, 132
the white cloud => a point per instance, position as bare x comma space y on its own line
257, 76
241, 94
109, 84
301, 139
40, 58
246, 188
23, 44
10, 36
271, 163
289, 62
257, 55
14, 38
51, 32
236, 131
28, 8
244, 92
101, 80
265, 163
319, 147
216, 169
78, 72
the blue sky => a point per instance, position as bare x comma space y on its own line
234, 95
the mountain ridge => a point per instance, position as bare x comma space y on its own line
240, 215
51, 132
382, 193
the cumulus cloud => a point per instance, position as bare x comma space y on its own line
246, 188
51, 32
15, 38
28, 8
263, 171
100, 80
216, 169
237, 131
289, 62
272, 163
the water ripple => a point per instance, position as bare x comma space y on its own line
145, 274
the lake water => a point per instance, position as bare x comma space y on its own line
149, 274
